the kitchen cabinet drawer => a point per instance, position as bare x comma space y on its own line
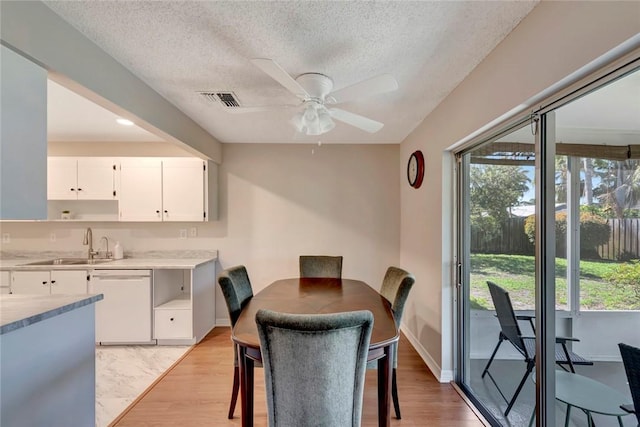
172, 323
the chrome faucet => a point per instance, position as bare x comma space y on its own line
107, 254
88, 240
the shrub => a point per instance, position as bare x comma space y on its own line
626, 276
594, 231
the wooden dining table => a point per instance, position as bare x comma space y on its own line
317, 296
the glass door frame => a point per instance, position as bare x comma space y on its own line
544, 121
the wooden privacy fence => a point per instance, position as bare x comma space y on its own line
624, 242
512, 240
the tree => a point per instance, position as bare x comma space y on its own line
495, 189
588, 181
619, 187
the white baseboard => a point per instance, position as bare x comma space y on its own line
442, 376
223, 322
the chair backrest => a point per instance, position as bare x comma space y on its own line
395, 288
631, 361
236, 289
321, 266
507, 317
314, 366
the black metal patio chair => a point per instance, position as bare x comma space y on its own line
631, 361
526, 345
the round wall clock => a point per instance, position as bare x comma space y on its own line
415, 169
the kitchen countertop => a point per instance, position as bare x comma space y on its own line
19, 311
126, 263
144, 260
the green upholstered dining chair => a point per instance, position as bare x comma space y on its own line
314, 367
236, 288
321, 266
395, 288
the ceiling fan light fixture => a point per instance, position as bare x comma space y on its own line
313, 120
324, 121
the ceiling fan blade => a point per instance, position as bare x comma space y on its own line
277, 73
356, 120
379, 84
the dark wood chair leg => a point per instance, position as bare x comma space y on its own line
234, 393
394, 394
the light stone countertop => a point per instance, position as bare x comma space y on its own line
142, 260
121, 264
19, 311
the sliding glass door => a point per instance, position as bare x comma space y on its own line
549, 246
498, 199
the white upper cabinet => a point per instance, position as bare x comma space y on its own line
137, 189
182, 189
81, 178
140, 189
162, 189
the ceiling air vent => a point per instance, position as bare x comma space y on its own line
227, 99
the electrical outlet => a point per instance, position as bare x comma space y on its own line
6, 238
193, 232
52, 237
183, 233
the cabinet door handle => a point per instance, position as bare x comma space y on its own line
79, 189
72, 189
157, 212
44, 283
166, 211
171, 319
53, 282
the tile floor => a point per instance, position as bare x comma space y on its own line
125, 372
509, 372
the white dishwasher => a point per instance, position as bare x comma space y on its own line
124, 315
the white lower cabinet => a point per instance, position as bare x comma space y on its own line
184, 304
172, 313
173, 320
49, 282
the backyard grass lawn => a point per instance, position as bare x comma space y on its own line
516, 274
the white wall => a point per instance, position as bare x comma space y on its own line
553, 41
277, 201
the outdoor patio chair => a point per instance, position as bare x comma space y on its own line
631, 361
526, 345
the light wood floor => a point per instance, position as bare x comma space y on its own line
196, 392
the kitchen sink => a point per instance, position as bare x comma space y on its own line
70, 261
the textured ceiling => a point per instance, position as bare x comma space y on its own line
182, 48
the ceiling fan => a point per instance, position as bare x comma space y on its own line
316, 94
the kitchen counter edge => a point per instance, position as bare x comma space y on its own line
121, 264
19, 311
